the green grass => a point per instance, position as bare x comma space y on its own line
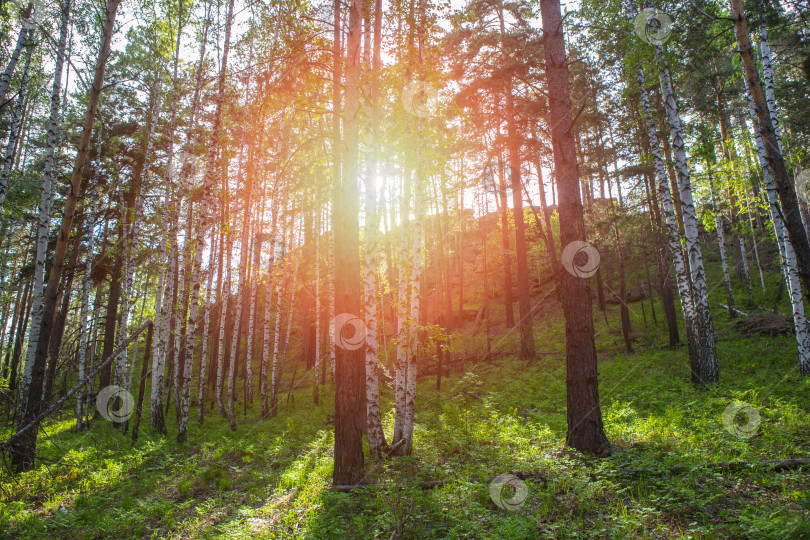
270, 478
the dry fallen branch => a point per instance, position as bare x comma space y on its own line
7, 443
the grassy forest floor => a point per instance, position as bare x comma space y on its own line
271, 478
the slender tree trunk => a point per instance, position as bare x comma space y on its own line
507, 256
26, 32
212, 266
87, 285
16, 124
45, 205
59, 324
225, 295
19, 336
527, 351
208, 186
584, 415
268, 302
721, 242
671, 225
707, 368
376, 437
786, 252
317, 367
624, 308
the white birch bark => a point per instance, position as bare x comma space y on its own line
403, 324
707, 368
376, 437
43, 228
14, 132
207, 197
789, 263
754, 238
244, 249
268, 303
212, 267
179, 314
746, 272
281, 280
721, 243
162, 308
670, 221
255, 264
224, 297
25, 31
413, 337
317, 367
767, 81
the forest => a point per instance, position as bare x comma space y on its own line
404, 269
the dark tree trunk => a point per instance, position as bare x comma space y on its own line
584, 415
59, 323
527, 351
349, 364
25, 312
507, 256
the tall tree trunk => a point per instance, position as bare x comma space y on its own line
707, 368
787, 194
24, 448
208, 186
671, 225
268, 302
624, 308
317, 367
527, 351
25, 313
585, 430
506, 252
87, 285
348, 288
786, 252
59, 323
212, 266
376, 437
721, 243
281, 279
225, 294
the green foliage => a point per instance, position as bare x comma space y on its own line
270, 479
